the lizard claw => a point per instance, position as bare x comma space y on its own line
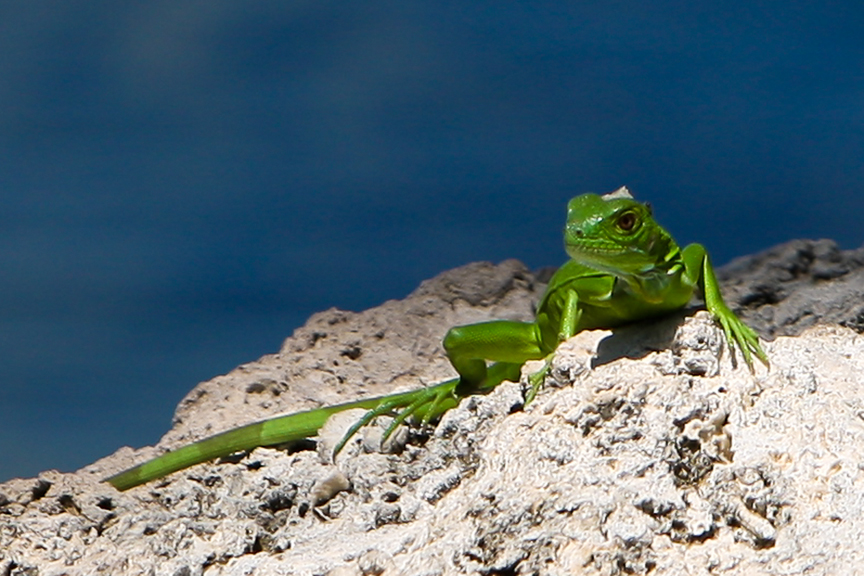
537, 379
425, 404
745, 338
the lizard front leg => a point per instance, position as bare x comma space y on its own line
567, 327
698, 270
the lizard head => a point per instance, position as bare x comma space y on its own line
615, 233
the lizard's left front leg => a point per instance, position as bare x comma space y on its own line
698, 267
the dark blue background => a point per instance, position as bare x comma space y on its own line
183, 183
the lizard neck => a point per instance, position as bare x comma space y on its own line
651, 283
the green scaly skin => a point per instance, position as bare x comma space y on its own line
624, 268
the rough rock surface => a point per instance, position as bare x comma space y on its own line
792, 286
649, 451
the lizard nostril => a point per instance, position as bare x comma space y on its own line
574, 230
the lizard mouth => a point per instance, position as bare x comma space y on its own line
611, 258
594, 251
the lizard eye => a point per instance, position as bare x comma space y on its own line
626, 221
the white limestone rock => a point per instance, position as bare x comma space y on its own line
645, 463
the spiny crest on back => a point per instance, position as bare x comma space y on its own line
621, 192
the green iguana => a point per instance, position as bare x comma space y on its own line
624, 267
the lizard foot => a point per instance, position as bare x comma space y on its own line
424, 404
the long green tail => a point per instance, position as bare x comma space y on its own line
297, 426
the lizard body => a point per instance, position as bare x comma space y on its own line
623, 267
